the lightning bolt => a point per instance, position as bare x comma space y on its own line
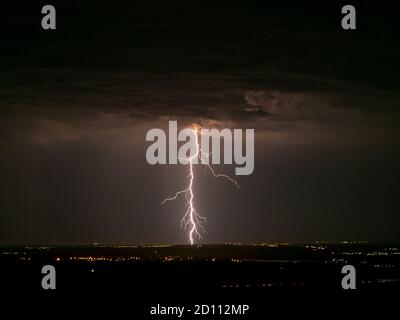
192, 219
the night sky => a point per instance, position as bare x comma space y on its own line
76, 103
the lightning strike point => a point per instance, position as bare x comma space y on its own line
192, 220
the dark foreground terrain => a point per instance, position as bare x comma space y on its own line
232, 273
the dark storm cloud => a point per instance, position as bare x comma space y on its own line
92, 103
199, 63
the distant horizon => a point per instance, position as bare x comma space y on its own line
98, 244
